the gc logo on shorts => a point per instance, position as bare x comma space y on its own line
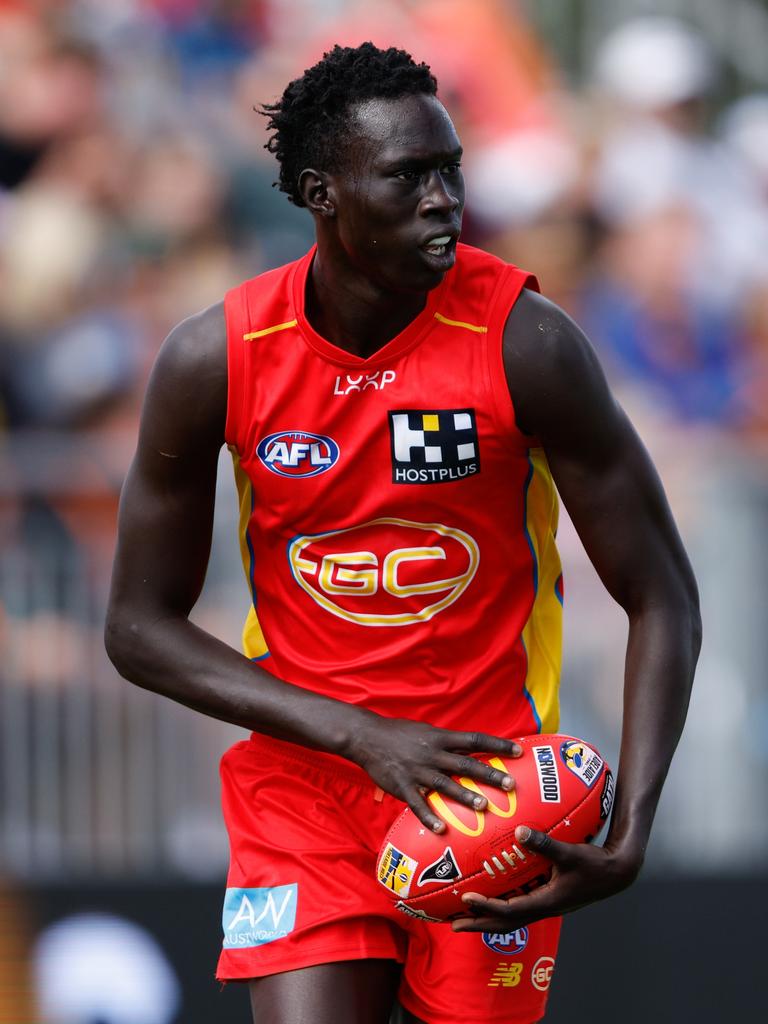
541, 975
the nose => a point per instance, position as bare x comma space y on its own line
438, 196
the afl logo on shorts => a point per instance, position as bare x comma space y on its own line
298, 453
507, 943
388, 572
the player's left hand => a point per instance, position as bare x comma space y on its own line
581, 874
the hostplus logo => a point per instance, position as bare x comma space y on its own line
433, 446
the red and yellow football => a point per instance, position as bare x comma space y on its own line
562, 786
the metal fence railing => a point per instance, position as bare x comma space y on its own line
98, 778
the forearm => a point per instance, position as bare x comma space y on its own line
174, 658
171, 656
662, 650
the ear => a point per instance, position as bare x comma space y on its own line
316, 191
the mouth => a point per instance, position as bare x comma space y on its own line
437, 246
440, 251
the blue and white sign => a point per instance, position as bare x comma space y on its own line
253, 917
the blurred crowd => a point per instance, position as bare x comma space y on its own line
135, 189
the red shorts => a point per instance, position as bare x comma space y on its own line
305, 830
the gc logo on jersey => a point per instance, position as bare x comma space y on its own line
433, 446
298, 453
387, 572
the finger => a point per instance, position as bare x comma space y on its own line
508, 923
448, 787
482, 743
486, 924
486, 905
563, 854
415, 799
531, 902
488, 914
471, 768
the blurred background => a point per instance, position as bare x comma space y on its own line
617, 149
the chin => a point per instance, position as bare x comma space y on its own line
422, 279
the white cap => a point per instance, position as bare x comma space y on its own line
744, 127
518, 177
94, 966
654, 62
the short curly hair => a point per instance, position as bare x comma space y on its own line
310, 121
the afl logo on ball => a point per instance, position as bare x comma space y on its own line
508, 943
298, 453
444, 869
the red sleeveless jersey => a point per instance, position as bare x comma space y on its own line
397, 529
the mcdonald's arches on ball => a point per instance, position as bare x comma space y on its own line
562, 786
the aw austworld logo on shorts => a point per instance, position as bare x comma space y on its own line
253, 917
298, 453
433, 446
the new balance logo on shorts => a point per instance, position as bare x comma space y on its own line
433, 446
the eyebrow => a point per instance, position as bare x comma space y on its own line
418, 161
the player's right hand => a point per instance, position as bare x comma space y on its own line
409, 759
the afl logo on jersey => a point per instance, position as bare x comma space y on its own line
388, 572
298, 453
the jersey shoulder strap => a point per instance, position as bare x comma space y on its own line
255, 309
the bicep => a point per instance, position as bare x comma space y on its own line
166, 508
164, 537
602, 470
617, 504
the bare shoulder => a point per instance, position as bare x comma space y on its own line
553, 373
187, 391
196, 349
539, 329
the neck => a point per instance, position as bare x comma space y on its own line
351, 312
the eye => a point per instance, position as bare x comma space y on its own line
408, 174
452, 168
